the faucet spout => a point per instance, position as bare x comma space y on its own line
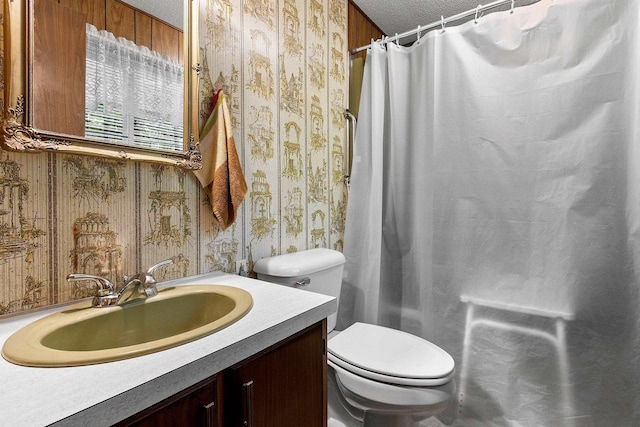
146, 280
133, 282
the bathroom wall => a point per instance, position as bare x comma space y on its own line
283, 64
361, 30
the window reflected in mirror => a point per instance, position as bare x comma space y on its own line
109, 72
134, 95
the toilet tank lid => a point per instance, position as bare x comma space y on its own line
299, 263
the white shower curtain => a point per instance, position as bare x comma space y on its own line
495, 209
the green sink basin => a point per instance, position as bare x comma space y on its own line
83, 335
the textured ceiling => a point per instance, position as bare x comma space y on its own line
169, 11
398, 16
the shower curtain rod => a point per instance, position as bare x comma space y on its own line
443, 22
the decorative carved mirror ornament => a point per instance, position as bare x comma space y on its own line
19, 137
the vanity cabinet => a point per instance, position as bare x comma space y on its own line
196, 406
284, 385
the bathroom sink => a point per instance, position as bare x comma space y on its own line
83, 335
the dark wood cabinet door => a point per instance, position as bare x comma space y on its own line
284, 386
198, 406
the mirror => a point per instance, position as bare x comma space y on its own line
102, 77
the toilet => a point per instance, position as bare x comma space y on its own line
379, 376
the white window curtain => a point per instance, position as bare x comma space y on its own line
134, 96
495, 209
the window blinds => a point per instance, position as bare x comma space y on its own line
134, 96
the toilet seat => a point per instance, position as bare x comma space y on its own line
367, 394
390, 356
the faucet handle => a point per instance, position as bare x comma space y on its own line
103, 284
158, 265
149, 283
106, 294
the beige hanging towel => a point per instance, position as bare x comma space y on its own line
221, 174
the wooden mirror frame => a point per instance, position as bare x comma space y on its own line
18, 133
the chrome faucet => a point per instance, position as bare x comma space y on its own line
107, 294
146, 279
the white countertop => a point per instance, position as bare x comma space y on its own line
102, 394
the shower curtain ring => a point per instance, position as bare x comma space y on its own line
442, 23
477, 11
513, 5
418, 33
397, 40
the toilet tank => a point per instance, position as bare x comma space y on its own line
315, 270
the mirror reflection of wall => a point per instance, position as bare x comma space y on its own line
106, 71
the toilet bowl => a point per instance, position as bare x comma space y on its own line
383, 377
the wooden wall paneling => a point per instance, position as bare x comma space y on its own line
352, 39
361, 30
120, 20
165, 40
94, 10
143, 30
59, 68
376, 33
363, 36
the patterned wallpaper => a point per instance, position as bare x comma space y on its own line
283, 64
